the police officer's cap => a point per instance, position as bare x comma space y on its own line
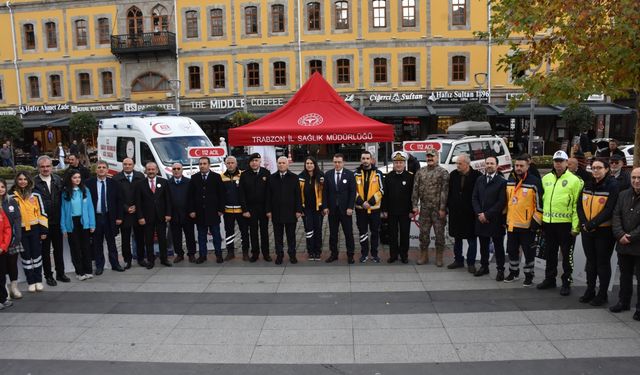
255, 155
399, 156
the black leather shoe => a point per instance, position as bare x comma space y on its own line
293, 259
245, 257
620, 307
547, 284
166, 263
482, 271
201, 260
230, 256
143, 263
219, 259
267, 258
178, 259
117, 268
392, 259
127, 265
99, 271
500, 275
350, 259
192, 258
404, 260
636, 315
331, 258
279, 259
63, 278
599, 300
253, 259
587, 296
51, 281
150, 265
455, 265
565, 289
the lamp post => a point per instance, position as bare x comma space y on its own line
481, 79
175, 87
244, 90
532, 108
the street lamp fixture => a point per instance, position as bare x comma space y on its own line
244, 89
481, 79
174, 84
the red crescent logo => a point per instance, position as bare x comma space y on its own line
161, 128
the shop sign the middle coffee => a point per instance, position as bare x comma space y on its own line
237, 103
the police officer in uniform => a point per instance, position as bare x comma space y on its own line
397, 208
253, 199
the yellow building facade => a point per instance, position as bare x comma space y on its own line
412, 63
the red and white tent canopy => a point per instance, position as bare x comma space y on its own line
315, 115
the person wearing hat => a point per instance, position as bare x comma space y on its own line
429, 198
253, 200
559, 221
624, 180
397, 208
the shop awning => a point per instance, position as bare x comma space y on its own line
396, 112
212, 116
609, 109
45, 122
525, 110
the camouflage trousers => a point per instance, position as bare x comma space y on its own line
428, 220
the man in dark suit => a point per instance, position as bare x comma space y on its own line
206, 205
284, 208
489, 200
253, 199
153, 202
180, 221
341, 194
397, 207
127, 179
105, 194
49, 185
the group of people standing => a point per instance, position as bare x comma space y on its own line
481, 207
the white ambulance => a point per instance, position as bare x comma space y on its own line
163, 139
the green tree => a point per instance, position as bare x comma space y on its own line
580, 47
473, 111
11, 128
83, 125
578, 117
242, 118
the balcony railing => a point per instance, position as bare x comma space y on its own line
161, 42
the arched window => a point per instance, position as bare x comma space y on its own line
29, 36
160, 18
217, 22
134, 21
52, 36
277, 18
313, 16
81, 33
103, 31
251, 20
150, 81
192, 24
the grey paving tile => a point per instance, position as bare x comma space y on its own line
444, 307
249, 270
104, 287
433, 353
202, 354
460, 285
315, 278
221, 322
379, 268
400, 336
287, 337
494, 334
42, 333
26, 306
381, 353
128, 335
584, 331
236, 298
446, 276
384, 277
555, 303
485, 319
598, 348
78, 307
237, 287
32, 351
391, 297
308, 322
571, 316
54, 320
172, 288
208, 336
138, 321
123, 278
342, 269
313, 287
309, 354
165, 278
199, 270
314, 298
507, 351
150, 308
8, 318
415, 321
410, 286
491, 294
247, 279
392, 308
309, 309
100, 351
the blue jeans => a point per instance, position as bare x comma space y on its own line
202, 238
471, 252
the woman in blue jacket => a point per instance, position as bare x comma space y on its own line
77, 221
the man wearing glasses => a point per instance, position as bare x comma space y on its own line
181, 222
624, 180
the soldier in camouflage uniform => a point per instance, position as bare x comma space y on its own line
430, 190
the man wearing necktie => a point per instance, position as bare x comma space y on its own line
341, 194
127, 179
489, 202
153, 200
206, 206
105, 196
181, 222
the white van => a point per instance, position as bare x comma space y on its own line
163, 139
449, 146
